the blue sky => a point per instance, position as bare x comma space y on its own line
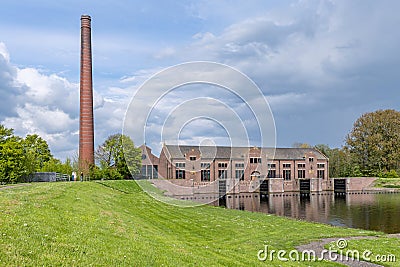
320, 64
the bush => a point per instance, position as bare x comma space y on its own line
106, 173
389, 174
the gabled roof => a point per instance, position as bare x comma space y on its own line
224, 152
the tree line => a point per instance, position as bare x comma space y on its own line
372, 148
20, 157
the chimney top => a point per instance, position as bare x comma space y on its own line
85, 17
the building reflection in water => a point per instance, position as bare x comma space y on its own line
380, 212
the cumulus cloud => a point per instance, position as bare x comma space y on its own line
33, 102
10, 90
320, 64
313, 58
4, 52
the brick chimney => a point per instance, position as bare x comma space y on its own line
86, 127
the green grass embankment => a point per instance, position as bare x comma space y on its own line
114, 223
387, 183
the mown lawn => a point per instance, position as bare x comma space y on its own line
114, 223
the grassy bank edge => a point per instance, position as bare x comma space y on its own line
128, 204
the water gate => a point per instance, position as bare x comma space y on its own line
305, 186
222, 187
264, 187
339, 186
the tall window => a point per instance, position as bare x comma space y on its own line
239, 171
180, 170
239, 174
271, 173
205, 171
287, 174
321, 170
205, 175
222, 174
143, 170
149, 171
180, 174
301, 172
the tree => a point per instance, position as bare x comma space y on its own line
12, 156
117, 158
301, 145
55, 165
21, 157
374, 142
338, 164
37, 152
5, 133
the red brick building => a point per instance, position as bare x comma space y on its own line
282, 169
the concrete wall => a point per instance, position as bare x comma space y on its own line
359, 183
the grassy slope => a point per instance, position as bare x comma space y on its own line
116, 223
387, 182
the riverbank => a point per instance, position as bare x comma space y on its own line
387, 183
115, 223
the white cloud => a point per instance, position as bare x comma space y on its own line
308, 58
165, 52
4, 52
47, 105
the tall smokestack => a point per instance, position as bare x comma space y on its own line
86, 128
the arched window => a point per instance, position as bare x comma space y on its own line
255, 175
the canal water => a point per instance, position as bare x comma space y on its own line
379, 212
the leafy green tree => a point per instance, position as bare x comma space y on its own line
374, 142
5, 133
12, 156
132, 155
55, 165
117, 158
37, 152
340, 162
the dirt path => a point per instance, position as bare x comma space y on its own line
318, 247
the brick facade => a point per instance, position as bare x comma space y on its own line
86, 125
243, 168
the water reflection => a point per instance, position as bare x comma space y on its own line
380, 212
